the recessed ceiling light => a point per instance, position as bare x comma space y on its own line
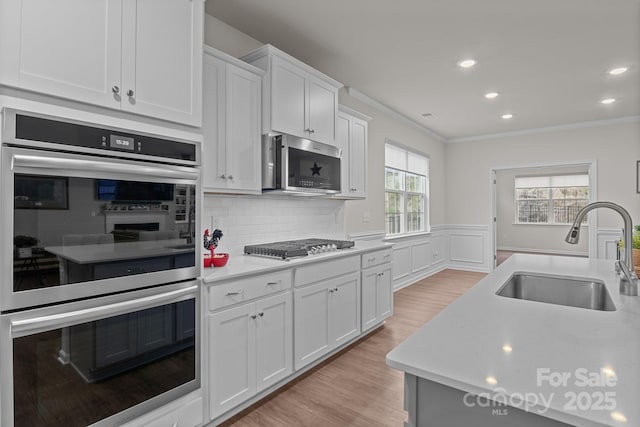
467, 63
608, 101
491, 95
507, 116
491, 380
617, 71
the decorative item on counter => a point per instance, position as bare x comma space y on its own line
210, 242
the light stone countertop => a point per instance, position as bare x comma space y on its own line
244, 265
107, 252
464, 347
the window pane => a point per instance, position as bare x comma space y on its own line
534, 211
532, 193
394, 212
415, 213
565, 211
415, 183
394, 179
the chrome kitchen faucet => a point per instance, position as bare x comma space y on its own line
628, 279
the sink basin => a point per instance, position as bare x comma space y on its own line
581, 293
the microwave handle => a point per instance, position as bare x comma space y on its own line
40, 162
32, 325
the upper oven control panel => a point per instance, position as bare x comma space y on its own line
29, 128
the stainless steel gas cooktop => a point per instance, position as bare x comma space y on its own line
296, 248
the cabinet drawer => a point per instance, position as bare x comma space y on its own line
247, 289
371, 259
324, 270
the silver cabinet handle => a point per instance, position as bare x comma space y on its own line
273, 283
115, 89
231, 177
261, 314
223, 176
253, 316
240, 292
130, 92
330, 291
312, 131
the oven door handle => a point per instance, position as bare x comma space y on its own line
32, 325
57, 163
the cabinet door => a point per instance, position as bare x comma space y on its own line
162, 59
344, 309
231, 358
322, 108
274, 334
288, 103
155, 328
358, 158
243, 153
66, 48
312, 338
384, 297
116, 339
213, 124
369, 296
343, 131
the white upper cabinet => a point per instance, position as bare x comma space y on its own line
140, 56
297, 99
231, 125
351, 137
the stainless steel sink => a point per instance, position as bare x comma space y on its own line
581, 293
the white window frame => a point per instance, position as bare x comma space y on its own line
550, 183
407, 166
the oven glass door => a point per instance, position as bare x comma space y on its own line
313, 171
105, 370
94, 223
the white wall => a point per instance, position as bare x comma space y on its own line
381, 127
615, 147
532, 237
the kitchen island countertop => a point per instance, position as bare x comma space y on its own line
561, 360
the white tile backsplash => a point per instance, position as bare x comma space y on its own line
248, 220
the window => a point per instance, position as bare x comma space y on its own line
406, 191
550, 199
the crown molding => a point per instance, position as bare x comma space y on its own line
393, 113
579, 125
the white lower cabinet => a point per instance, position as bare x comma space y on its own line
377, 287
327, 314
250, 348
377, 295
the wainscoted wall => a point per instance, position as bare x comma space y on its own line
455, 246
414, 257
607, 239
469, 247
261, 219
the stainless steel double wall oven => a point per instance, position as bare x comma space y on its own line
99, 299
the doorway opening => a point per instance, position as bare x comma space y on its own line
532, 207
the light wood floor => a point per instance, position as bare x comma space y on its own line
356, 387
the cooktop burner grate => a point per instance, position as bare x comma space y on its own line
296, 248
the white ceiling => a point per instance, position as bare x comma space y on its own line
547, 58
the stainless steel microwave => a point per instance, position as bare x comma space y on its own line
299, 166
